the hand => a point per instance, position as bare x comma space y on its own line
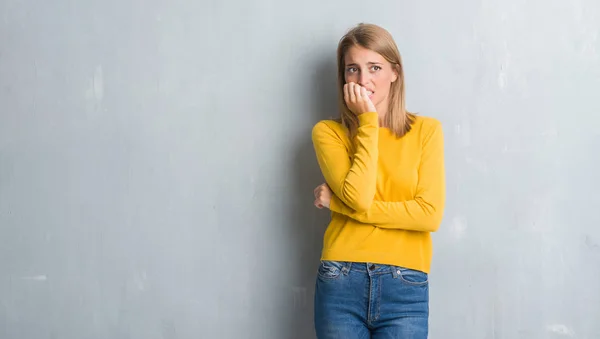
357, 99
323, 196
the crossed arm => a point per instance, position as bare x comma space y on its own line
353, 182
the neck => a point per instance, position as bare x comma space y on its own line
382, 112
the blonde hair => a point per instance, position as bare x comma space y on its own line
379, 40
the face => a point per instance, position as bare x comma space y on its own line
370, 70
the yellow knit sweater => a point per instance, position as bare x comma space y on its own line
389, 192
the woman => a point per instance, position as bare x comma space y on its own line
385, 187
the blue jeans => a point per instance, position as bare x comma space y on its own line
370, 301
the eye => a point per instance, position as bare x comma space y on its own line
351, 69
375, 68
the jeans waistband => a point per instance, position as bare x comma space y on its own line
370, 268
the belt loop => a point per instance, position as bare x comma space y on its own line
346, 268
395, 271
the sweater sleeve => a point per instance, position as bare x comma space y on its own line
351, 177
425, 211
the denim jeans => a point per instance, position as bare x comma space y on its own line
370, 301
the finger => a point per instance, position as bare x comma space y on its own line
363, 93
357, 90
318, 189
370, 104
352, 92
346, 94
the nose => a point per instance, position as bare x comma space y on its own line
363, 78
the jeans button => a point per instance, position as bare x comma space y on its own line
372, 267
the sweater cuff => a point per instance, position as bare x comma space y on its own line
368, 118
335, 204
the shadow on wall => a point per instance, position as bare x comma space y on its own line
307, 222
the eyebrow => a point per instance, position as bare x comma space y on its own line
368, 63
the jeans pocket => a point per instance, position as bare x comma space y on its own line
330, 269
412, 277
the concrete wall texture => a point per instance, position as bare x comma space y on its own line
156, 168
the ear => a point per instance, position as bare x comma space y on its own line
395, 76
